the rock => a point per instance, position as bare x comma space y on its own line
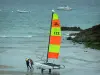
69, 38
85, 51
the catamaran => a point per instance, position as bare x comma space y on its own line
53, 45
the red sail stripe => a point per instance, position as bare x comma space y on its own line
53, 55
56, 23
55, 40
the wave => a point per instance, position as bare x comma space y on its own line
26, 36
68, 46
23, 11
79, 59
16, 36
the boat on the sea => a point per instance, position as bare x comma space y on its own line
53, 46
67, 8
22, 11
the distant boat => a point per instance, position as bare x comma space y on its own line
67, 8
22, 11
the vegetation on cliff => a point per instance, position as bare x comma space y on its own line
90, 37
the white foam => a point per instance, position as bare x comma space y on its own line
16, 36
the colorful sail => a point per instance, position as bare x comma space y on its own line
55, 37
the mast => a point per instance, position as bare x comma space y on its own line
49, 35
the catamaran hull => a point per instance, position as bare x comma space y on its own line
42, 66
49, 66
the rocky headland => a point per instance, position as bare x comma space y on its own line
90, 37
71, 28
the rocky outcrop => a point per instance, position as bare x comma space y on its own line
90, 37
71, 29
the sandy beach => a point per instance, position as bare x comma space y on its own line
12, 72
6, 72
5, 66
2, 72
76, 61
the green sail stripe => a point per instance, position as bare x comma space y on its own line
54, 48
55, 31
55, 16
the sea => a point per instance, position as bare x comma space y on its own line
26, 34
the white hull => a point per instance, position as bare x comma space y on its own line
48, 66
64, 8
42, 66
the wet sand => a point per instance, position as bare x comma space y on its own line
11, 72
4, 72
25, 73
5, 66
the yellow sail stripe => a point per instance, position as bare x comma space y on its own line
55, 16
55, 31
54, 48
